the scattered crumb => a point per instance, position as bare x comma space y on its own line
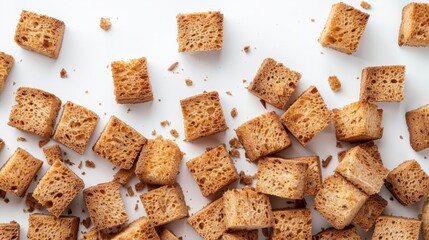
391, 198
114, 168
365, 5
228, 93
14, 83
174, 133
424, 157
263, 103
235, 143
312, 20
43, 142
69, 212
139, 186
165, 123
300, 203
128, 110
21, 139
246, 49
401, 137
244, 81
153, 132
234, 112
32, 203
86, 222
234, 153
70, 163
245, 179
173, 66
136, 207
89, 164
83, 173
105, 23
339, 145
321, 53
189, 82
86, 91
130, 191
1, 144
79, 165
326, 162
334, 83
6, 200
63, 73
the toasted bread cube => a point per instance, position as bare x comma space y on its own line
165, 204
382, 84
213, 170
141, 228
53, 153
202, 115
200, 31
314, 174
417, 122
424, 217
370, 147
414, 29
338, 201
6, 63
9, 231
18, 172
370, 211
307, 116
40, 33
43, 226
131, 81
293, 224
391, 227
246, 209
282, 178
348, 233
274, 83
241, 235
358, 122
166, 234
35, 112
159, 162
57, 188
408, 182
209, 221
75, 127
262, 136
119, 143
105, 206
344, 28
123, 176
334, 83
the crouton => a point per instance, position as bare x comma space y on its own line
123, 176
105, 24
382, 84
370, 147
43, 226
391, 227
209, 221
292, 224
6, 63
166, 234
241, 235
348, 233
9, 231
417, 122
370, 211
314, 174
53, 153
141, 228
414, 29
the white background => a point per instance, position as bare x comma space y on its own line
282, 30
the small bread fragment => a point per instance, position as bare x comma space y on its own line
344, 28
370, 211
274, 83
382, 84
9, 231
313, 176
43, 226
200, 31
348, 233
292, 224
408, 182
334, 83
209, 221
241, 235
123, 176
141, 228
370, 147
105, 23
6, 63
391, 227
32, 102
40, 33
414, 30
365, 5
307, 116
418, 122
263, 135
1, 144
424, 217
53, 153
166, 234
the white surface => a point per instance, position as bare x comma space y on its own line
278, 29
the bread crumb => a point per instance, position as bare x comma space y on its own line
264, 104
391, 198
79, 165
165, 123
339, 145
139, 186
189, 82
69, 212
244, 81
21, 139
86, 222
228, 93
235, 143
173, 66
128, 110
234, 112
43, 142
6, 200
86, 91
153, 132
63, 73
326, 162
1, 144
334, 83
136, 207
312, 20
401, 137
83, 173
89, 164
245, 179
130, 191
365, 5
105, 23
174, 133
70, 163
246, 49
32, 203
234, 153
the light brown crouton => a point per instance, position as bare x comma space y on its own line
6, 63
417, 122
292, 224
414, 30
391, 227
43, 226
209, 221
382, 84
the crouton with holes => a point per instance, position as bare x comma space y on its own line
348, 233
370, 147
6, 63
53, 153
358, 122
131, 81
9, 231
213, 170
18, 172
159, 162
274, 83
292, 224
35, 112
40, 33
141, 228
262, 136
166, 234
209, 221
282, 178
313, 175
119, 143
382, 84
165, 204
198, 32
202, 115
307, 116
75, 127
414, 30
57, 188
417, 122
391, 227
43, 226
338, 201
246, 209
344, 28
424, 217
241, 235
105, 206
370, 211
408, 182
123, 176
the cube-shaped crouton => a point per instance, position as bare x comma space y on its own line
213, 170
6, 63
18, 172
141, 228
131, 81
35, 112
348, 233
123, 176
119, 143
344, 28
307, 116
165, 204
9, 231
382, 84
105, 206
414, 30
282, 178
370, 211
209, 221
408, 182
424, 217
262, 136
40, 33
338, 201
241, 235
293, 224
75, 127
359, 168
274, 83
368, 147
200, 31
159, 162
43, 226
391, 227
53, 153
58, 188
202, 115
417, 122
166, 234
314, 174
246, 209
358, 122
